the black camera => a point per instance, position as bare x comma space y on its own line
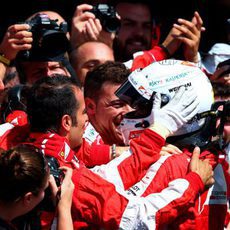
47, 203
49, 39
107, 16
54, 170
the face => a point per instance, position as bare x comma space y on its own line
88, 56
136, 29
37, 70
76, 132
108, 114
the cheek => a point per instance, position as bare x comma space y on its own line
60, 71
31, 79
123, 35
42, 195
227, 132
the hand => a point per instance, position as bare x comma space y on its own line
218, 77
65, 202
16, 38
67, 188
190, 34
62, 196
180, 109
78, 27
85, 27
202, 168
187, 33
169, 149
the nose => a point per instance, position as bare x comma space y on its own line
127, 109
49, 72
139, 30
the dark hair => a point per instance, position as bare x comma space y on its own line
112, 72
50, 99
148, 3
22, 169
221, 90
14, 98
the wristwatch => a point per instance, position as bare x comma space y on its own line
4, 60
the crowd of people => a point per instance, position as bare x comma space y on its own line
104, 127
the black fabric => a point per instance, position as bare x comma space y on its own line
4, 225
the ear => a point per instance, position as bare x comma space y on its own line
90, 106
28, 198
66, 123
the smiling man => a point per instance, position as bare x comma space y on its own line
105, 110
136, 29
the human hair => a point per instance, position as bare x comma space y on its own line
112, 72
50, 99
147, 3
22, 169
14, 98
220, 90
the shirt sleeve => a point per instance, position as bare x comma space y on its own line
125, 170
93, 154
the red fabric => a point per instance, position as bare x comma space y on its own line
20, 116
95, 200
15, 131
155, 54
206, 211
53, 145
94, 154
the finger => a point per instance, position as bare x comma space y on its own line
67, 171
164, 153
184, 31
175, 148
90, 36
195, 154
20, 35
92, 29
18, 27
20, 41
189, 25
81, 8
202, 29
22, 46
191, 110
199, 21
178, 95
157, 101
86, 16
210, 181
98, 25
53, 185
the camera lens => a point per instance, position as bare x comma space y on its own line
112, 25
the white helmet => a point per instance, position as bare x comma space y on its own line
164, 77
